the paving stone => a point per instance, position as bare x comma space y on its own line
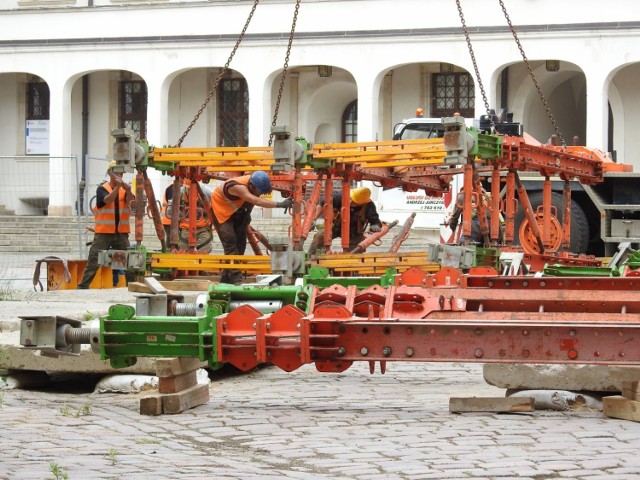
267, 424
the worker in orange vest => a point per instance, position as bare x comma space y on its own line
232, 203
112, 214
362, 213
204, 229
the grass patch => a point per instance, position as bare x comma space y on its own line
58, 473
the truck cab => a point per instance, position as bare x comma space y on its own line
419, 127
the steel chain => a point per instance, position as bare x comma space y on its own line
473, 57
220, 75
284, 68
531, 74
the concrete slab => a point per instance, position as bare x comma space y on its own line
595, 378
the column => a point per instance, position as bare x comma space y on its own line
64, 172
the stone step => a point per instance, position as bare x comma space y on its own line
60, 235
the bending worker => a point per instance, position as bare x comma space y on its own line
111, 221
362, 213
232, 203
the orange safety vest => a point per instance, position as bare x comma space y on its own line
223, 206
106, 216
202, 220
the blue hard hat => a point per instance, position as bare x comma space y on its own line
261, 182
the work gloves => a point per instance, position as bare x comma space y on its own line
286, 203
375, 228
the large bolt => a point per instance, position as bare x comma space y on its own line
386, 351
364, 351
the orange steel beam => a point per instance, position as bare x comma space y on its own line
510, 207
546, 213
448, 317
495, 206
566, 215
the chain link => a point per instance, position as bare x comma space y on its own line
220, 75
531, 74
284, 68
473, 57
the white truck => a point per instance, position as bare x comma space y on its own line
602, 215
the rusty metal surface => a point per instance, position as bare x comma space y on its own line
448, 317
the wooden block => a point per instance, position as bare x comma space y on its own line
170, 367
188, 285
186, 399
155, 285
624, 373
631, 390
617, 406
177, 383
139, 287
182, 285
151, 405
492, 404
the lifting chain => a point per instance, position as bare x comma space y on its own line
531, 74
285, 67
220, 75
473, 57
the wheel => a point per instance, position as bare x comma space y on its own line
579, 225
530, 243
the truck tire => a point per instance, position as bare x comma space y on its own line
579, 224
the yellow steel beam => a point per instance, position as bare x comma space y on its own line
373, 154
368, 263
211, 263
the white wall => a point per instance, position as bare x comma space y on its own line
361, 53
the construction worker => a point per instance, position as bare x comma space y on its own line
204, 229
112, 229
454, 220
166, 212
232, 203
362, 213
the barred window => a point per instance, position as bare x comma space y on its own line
37, 101
233, 113
133, 107
453, 93
350, 123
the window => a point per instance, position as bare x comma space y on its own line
133, 107
453, 92
233, 113
37, 101
350, 123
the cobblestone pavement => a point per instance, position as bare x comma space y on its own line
309, 425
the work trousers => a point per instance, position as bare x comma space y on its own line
102, 241
204, 240
317, 243
233, 237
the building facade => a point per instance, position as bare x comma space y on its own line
73, 70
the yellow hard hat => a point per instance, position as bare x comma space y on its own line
112, 164
361, 195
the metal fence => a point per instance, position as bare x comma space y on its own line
27, 232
